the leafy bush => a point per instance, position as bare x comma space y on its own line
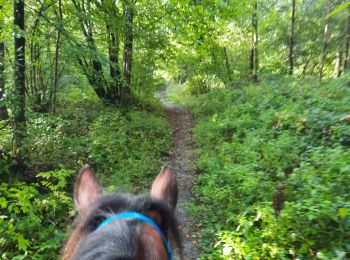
52, 140
5, 148
125, 148
201, 84
274, 170
194, 86
32, 223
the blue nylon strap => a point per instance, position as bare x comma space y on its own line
143, 218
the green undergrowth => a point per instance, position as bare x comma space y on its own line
177, 93
273, 170
125, 148
192, 87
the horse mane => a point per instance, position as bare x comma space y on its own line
82, 243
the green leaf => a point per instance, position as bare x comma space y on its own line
342, 212
338, 9
3, 202
23, 243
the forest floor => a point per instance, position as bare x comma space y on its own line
182, 160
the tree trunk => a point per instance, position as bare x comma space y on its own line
306, 64
37, 87
113, 52
92, 67
325, 40
313, 68
251, 61
227, 63
3, 110
57, 49
113, 49
337, 68
347, 44
19, 81
128, 49
255, 56
292, 41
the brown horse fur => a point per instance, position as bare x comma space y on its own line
165, 187
123, 239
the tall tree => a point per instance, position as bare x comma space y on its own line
227, 63
326, 35
338, 65
292, 41
3, 110
19, 73
254, 51
113, 39
128, 50
347, 44
57, 49
37, 87
91, 64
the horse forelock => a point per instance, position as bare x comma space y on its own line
122, 239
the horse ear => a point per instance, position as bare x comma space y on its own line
87, 190
165, 187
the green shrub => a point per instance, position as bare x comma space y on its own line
274, 170
32, 222
201, 84
52, 140
127, 149
5, 148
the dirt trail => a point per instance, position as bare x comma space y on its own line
182, 161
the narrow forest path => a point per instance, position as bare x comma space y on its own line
181, 159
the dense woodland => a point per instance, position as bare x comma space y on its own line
268, 83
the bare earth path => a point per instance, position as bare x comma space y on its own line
182, 161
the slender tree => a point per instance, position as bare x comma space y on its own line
36, 85
91, 64
227, 64
347, 44
292, 41
19, 73
326, 34
128, 50
254, 51
3, 110
338, 65
19, 120
113, 40
57, 50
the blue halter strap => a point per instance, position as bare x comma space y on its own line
143, 218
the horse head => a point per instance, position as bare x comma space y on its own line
121, 225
